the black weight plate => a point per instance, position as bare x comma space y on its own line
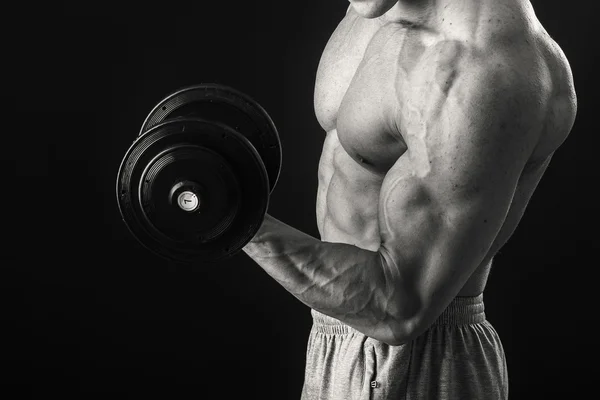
214, 102
229, 169
207, 174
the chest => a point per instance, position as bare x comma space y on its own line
365, 74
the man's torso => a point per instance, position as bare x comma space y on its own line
367, 100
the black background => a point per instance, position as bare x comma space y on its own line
86, 312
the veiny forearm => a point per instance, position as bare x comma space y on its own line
336, 279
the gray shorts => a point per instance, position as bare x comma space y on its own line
459, 357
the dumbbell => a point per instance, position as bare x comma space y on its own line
195, 184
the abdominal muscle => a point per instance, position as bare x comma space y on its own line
347, 198
348, 205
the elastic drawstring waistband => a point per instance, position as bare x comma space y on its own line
461, 311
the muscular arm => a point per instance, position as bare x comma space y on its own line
441, 206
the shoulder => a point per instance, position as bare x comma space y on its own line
503, 93
525, 75
457, 76
463, 95
518, 53
462, 73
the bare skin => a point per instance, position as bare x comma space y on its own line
441, 117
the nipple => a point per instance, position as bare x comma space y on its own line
363, 160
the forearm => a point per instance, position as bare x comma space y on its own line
336, 279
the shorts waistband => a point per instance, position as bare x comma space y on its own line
460, 311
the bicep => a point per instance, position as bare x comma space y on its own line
444, 201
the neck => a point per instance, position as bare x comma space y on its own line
466, 19
415, 12
434, 14
408, 9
